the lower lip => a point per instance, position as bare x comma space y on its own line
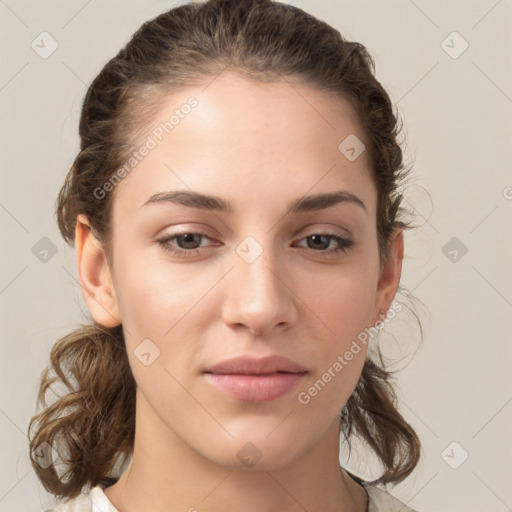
256, 388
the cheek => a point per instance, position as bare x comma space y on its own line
159, 309
152, 299
345, 311
341, 301
344, 295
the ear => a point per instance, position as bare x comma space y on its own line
95, 277
390, 273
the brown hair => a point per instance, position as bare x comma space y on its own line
93, 423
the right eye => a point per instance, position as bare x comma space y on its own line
185, 239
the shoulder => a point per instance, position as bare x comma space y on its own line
381, 501
93, 501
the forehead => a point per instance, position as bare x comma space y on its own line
230, 134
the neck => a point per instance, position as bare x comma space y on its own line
168, 476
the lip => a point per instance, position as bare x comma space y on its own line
256, 380
256, 388
256, 366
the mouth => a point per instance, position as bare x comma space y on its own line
256, 388
246, 365
256, 380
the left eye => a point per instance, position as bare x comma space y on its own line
188, 243
316, 239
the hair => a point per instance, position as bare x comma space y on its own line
93, 423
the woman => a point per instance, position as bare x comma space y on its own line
235, 213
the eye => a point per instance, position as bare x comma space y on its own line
188, 243
319, 242
188, 240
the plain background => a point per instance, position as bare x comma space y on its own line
456, 386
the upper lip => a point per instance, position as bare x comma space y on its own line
256, 366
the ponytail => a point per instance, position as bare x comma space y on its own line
92, 424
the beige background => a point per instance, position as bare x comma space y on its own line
457, 113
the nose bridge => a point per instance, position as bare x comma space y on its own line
259, 297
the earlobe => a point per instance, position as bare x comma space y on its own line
390, 273
95, 276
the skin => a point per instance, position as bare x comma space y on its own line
259, 146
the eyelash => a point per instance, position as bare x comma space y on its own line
344, 244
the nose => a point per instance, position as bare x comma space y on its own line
260, 295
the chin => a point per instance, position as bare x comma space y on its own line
260, 454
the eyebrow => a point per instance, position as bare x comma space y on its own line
218, 204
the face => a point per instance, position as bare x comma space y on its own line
197, 282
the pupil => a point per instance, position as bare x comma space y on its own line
188, 238
318, 238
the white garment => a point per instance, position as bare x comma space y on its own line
96, 501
